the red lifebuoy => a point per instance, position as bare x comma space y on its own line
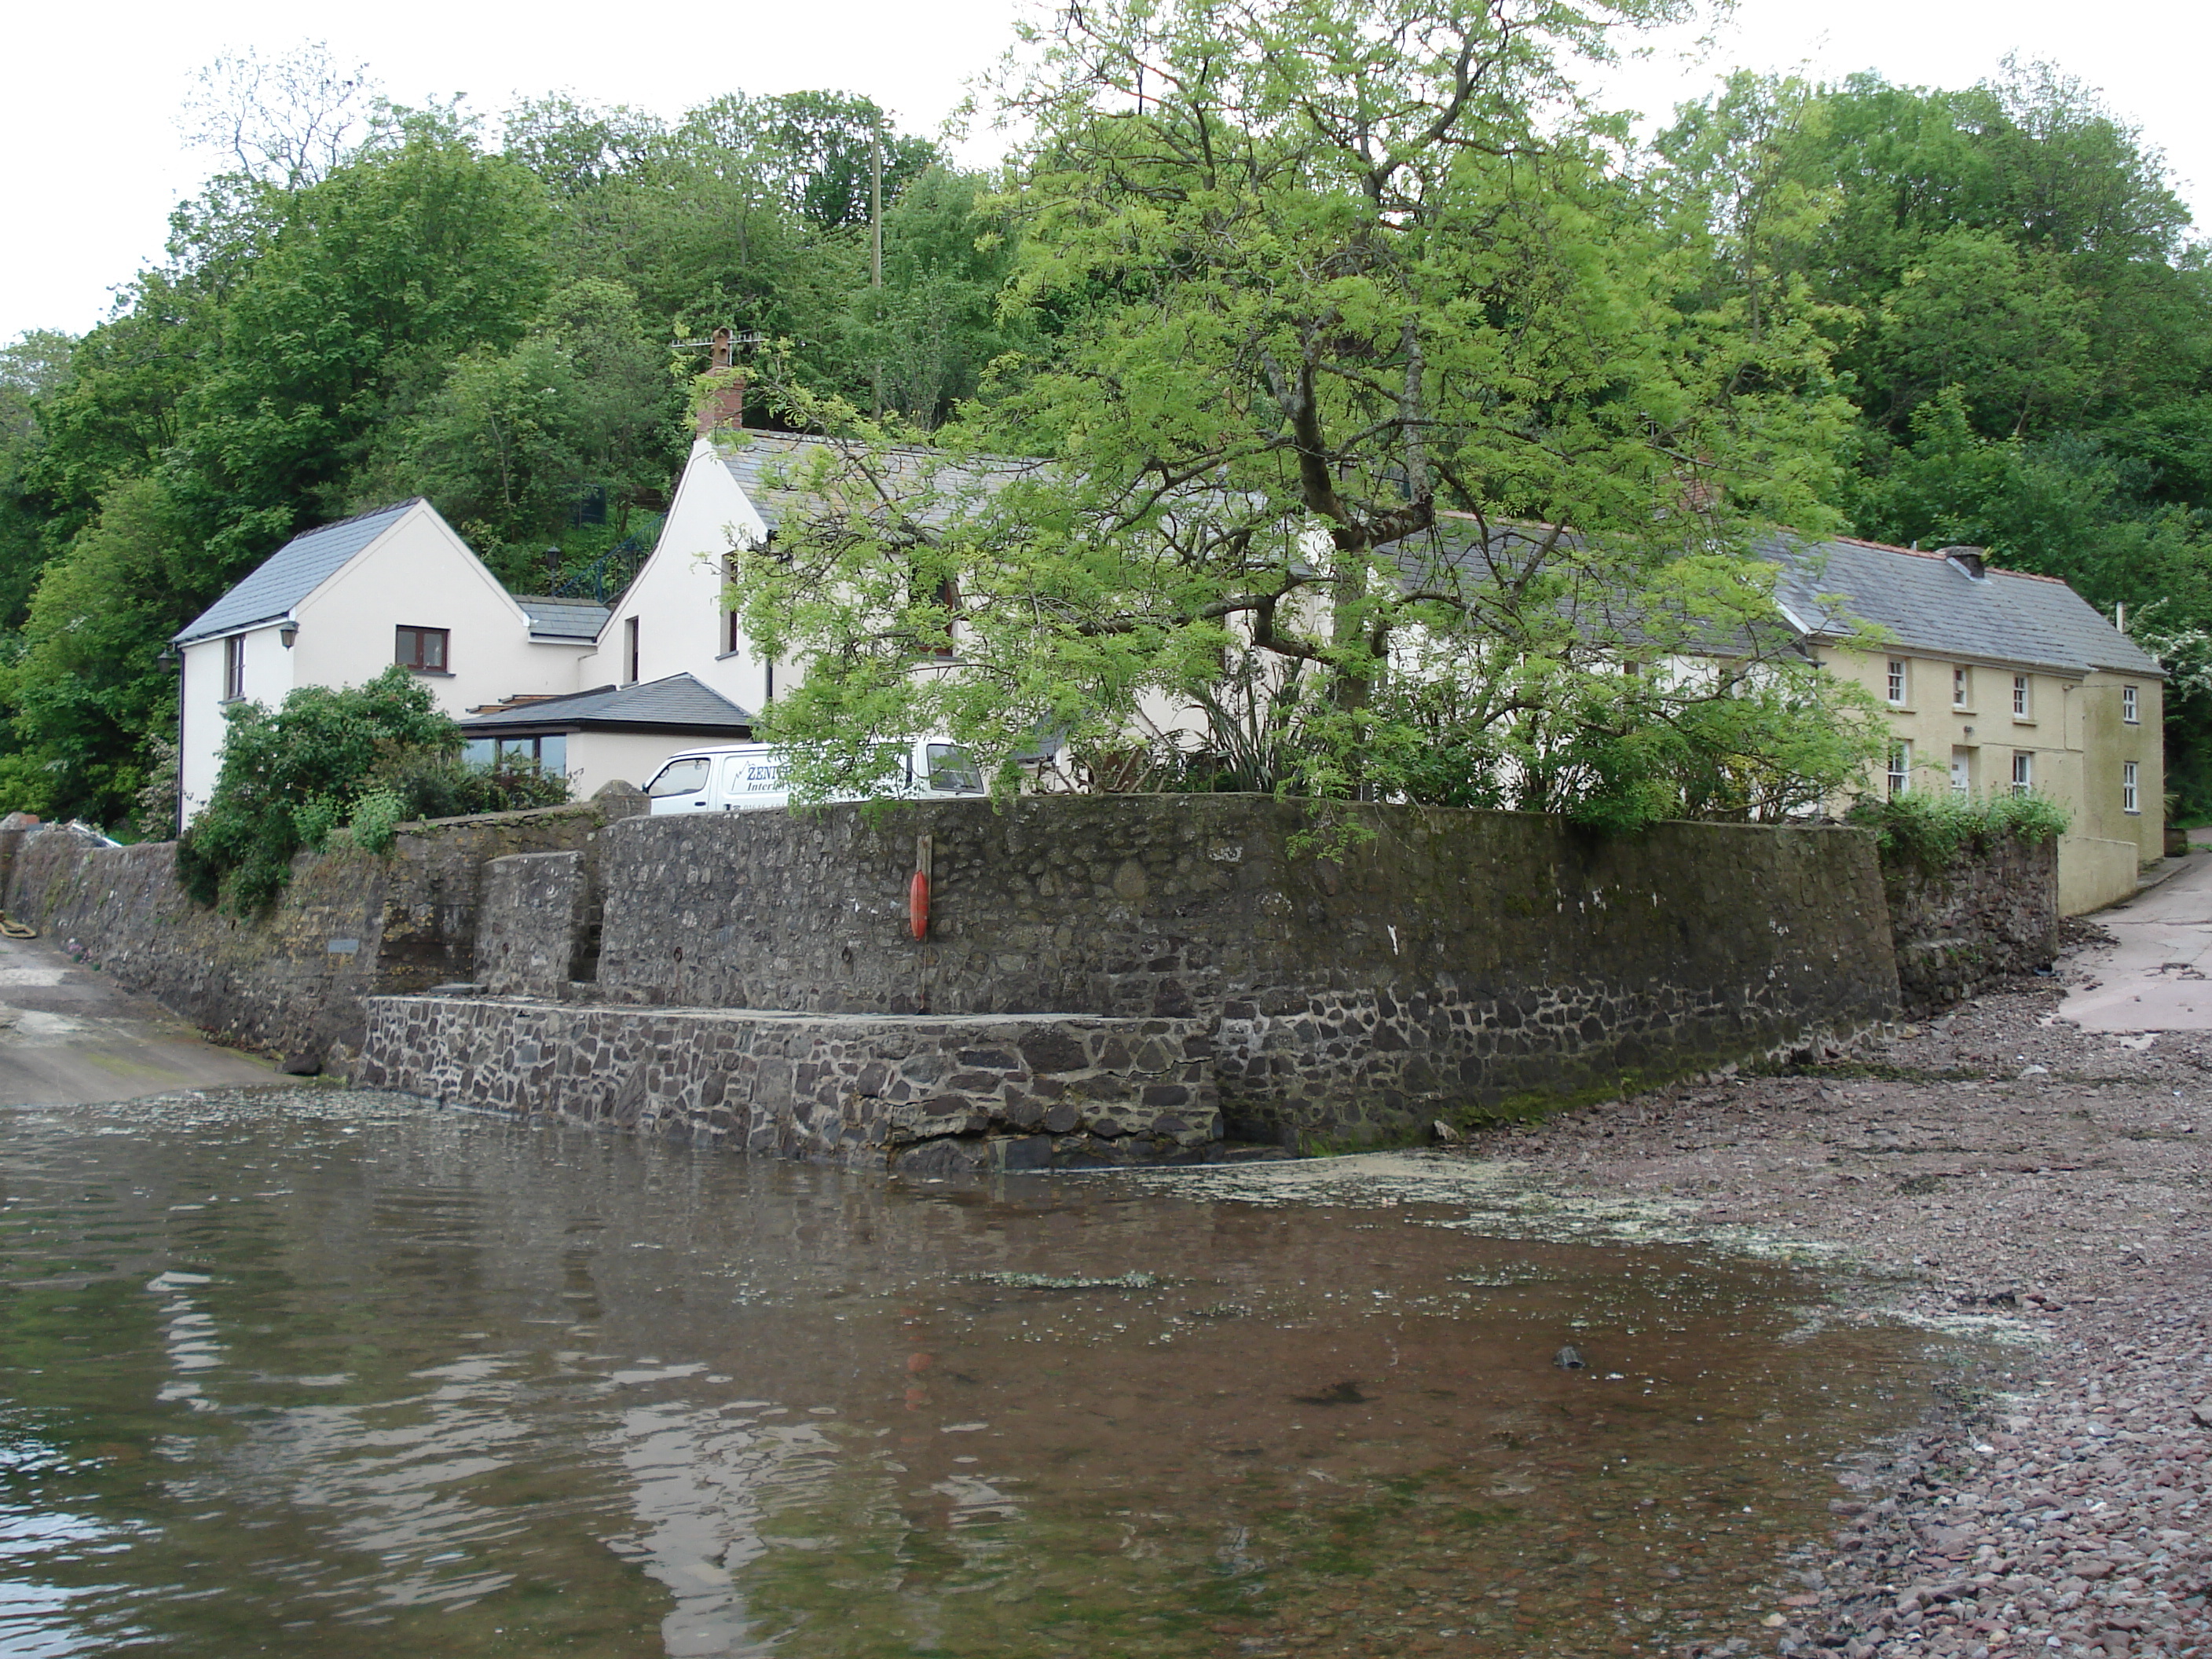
917, 904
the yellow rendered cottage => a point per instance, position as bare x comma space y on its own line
1996, 680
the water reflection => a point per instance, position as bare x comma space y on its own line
328, 1375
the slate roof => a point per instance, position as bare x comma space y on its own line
1927, 603
558, 619
678, 703
290, 573
1922, 602
752, 458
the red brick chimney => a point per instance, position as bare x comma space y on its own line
722, 401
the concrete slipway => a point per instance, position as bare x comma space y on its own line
68, 1037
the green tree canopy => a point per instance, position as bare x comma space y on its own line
1348, 357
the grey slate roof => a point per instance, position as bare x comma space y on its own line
1920, 601
290, 573
754, 458
555, 619
1926, 604
678, 703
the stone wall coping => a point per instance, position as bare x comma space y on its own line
795, 1017
519, 815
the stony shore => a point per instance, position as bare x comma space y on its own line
2010, 1166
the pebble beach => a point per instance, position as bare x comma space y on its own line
2006, 1169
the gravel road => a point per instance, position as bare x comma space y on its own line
2016, 1167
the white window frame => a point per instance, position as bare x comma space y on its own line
1900, 682
2130, 791
1900, 768
2130, 707
234, 668
1962, 686
2023, 700
2023, 772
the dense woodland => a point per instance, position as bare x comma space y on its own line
1916, 315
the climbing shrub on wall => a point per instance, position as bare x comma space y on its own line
370, 756
1932, 830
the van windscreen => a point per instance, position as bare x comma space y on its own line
951, 771
682, 776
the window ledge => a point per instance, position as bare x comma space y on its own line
427, 673
2023, 720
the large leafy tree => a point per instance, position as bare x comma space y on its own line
32, 368
1353, 358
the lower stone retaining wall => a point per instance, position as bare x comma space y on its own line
1441, 964
350, 925
915, 1093
1991, 913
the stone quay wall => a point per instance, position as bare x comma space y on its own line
918, 1093
1443, 964
538, 932
350, 925
1987, 914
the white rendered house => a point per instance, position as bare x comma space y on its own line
339, 604
671, 620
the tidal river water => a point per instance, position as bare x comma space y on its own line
328, 1374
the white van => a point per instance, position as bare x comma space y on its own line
750, 778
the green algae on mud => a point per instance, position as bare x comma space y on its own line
324, 1375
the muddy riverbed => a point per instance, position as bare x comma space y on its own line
317, 1373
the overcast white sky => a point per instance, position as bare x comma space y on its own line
95, 162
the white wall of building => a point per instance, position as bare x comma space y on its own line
420, 574
677, 598
270, 672
599, 758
